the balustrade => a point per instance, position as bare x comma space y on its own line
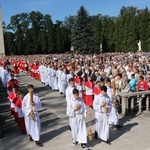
134, 102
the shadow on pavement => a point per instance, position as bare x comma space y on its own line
52, 134
49, 121
114, 134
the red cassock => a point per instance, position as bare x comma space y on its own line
34, 68
21, 122
16, 69
89, 93
19, 64
36, 72
25, 66
31, 69
79, 81
11, 96
96, 90
15, 109
12, 61
12, 83
38, 76
1, 62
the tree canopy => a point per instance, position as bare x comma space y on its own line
35, 33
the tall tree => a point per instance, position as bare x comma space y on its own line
108, 34
49, 29
148, 32
58, 36
68, 24
143, 27
9, 43
19, 24
19, 41
82, 38
29, 42
65, 39
97, 32
130, 29
36, 19
34, 33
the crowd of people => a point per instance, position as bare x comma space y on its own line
85, 81
22, 106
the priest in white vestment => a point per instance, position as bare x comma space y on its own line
64, 83
29, 108
113, 118
76, 110
58, 75
101, 105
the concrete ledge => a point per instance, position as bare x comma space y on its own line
125, 99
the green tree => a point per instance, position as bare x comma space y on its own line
29, 42
97, 32
143, 21
108, 34
19, 41
19, 25
58, 36
49, 30
130, 30
68, 27
9, 43
35, 33
35, 19
65, 39
82, 38
148, 32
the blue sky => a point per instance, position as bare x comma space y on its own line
59, 9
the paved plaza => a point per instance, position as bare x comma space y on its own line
55, 134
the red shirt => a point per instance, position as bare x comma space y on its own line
142, 85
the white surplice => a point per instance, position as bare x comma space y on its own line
41, 70
58, 75
101, 118
77, 122
69, 93
64, 82
33, 127
54, 80
4, 74
113, 118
